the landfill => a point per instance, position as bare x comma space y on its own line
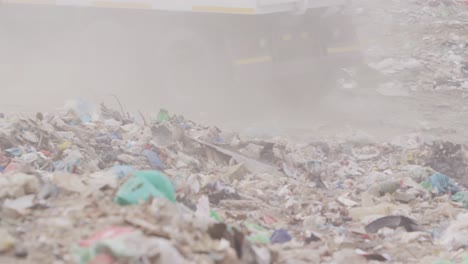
91, 185
417, 45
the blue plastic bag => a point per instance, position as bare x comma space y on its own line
153, 159
280, 236
86, 110
443, 184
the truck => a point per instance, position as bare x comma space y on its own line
184, 49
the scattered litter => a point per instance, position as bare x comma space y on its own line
456, 234
392, 222
7, 242
175, 191
124, 244
69, 182
19, 205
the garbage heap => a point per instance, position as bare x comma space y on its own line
88, 185
419, 45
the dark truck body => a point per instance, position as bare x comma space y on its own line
93, 48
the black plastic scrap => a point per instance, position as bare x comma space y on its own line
393, 222
372, 256
234, 236
376, 257
312, 238
218, 191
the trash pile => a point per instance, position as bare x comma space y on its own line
90, 185
418, 45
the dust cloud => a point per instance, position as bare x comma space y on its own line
51, 54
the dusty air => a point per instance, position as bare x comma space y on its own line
229, 132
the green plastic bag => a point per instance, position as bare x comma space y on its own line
461, 197
260, 238
143, 185
259, 234
214, 215
427, 185
163, 116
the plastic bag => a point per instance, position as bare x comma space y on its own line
142, 186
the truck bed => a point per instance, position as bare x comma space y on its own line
250, 7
